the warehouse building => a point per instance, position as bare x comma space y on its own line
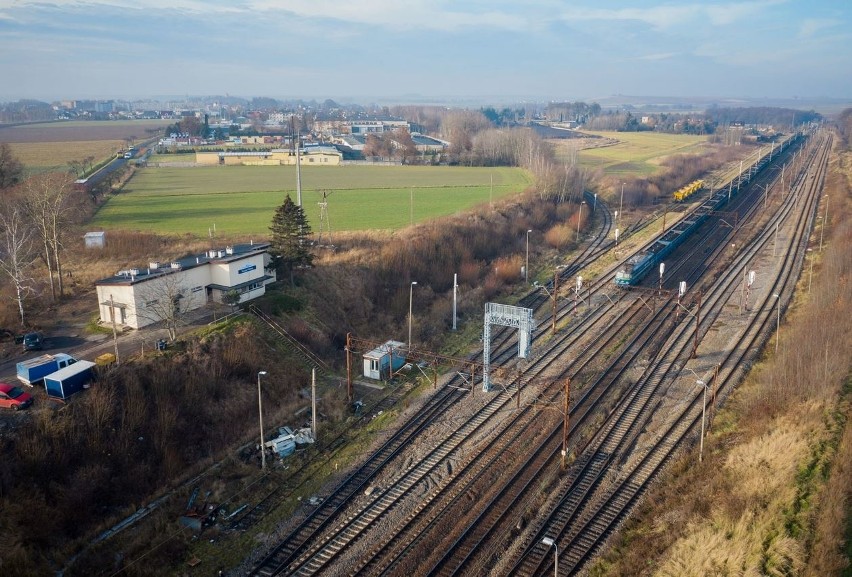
310, 155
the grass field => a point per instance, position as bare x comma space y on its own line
241, 200
637, 153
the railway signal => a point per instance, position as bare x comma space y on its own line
750, 282
548, 542
697, 325
577, 292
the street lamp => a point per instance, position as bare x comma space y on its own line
579, 218
620, 206
766, 188
703, 413
410, 301
527, 268
260, 413
777, 322
547, 541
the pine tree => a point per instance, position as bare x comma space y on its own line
290, 244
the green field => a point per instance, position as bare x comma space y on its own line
638, 153
240, 200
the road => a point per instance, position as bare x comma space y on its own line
89, 347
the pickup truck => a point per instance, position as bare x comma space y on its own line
32, 371
73, 378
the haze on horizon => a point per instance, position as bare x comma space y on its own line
542, 49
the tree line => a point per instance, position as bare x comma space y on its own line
35, 215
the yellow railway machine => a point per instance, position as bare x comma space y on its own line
688, 190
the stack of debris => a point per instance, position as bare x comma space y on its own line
285, 443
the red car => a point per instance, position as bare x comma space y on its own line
12, 397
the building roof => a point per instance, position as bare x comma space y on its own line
251, 153
228, 254
427, 140
384, 349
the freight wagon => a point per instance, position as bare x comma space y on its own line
637, 266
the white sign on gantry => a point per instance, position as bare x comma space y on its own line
507, 316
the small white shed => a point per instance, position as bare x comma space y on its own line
379, 362
95, 239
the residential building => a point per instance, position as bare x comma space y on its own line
137, 297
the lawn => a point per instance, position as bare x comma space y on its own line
638, 153
240, 200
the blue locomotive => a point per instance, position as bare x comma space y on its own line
639, 264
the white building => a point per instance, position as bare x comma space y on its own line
140, 296
95, 239
382, 361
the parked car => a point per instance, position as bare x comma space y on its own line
12, 397
33, 342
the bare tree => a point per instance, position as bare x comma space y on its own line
160, 301
406, 148
17, 251
49, 205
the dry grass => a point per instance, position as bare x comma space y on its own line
43, 156
830, 554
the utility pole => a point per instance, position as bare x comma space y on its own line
114, 330
565, 422
775, 246
455, 296
555, 289
697, 324
314, 403
298, 170
713, 393
349, 367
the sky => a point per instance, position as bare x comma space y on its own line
421, 50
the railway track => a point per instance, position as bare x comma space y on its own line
301, 559
282, 489
588, 513
295, 543
490, 506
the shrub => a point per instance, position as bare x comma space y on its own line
508, 268
559, 236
